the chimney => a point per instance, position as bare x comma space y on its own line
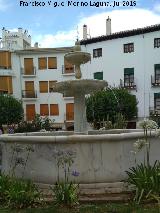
108, 26
84, 31
36, 45
20, 30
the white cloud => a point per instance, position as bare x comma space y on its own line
60, 39
3, 5
121, 20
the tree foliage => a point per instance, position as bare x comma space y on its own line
105, 104
11, 110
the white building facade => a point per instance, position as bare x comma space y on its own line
29, 73
129, 59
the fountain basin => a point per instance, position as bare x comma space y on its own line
78, 57
99, 158
81, 86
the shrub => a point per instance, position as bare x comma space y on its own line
22, 194
36, 125
4, 187
65, 191
104, 105
146, 180
11, 110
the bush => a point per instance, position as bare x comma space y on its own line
66, 193
18, 193
4, 187
104, 105
22, 194
34, 126
146, 180
11, 110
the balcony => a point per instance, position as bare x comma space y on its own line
154, 111
155, 81
29, 94
28, 73
128, 85
68, 70
4, 71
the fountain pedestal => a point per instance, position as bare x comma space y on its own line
80, 121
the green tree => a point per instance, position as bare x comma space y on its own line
104, 105
11, 110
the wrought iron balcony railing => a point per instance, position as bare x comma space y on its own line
155, 81
154, 111
29, 94
128, 85
31, 72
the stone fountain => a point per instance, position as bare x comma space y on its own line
79, 88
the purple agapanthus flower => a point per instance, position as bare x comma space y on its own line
11, 131
75, 173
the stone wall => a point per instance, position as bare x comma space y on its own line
99, 158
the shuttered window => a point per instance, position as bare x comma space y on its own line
44, 111
30, 112
28, 66
51, 84
52, 63
5, 60
98, 75
42, 63
6, 84
68, 68
54, 109
69, 111
43, 86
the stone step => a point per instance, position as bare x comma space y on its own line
98, 198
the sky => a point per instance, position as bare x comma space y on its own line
58, 23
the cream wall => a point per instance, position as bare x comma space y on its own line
114, 60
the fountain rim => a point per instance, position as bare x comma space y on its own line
69, 139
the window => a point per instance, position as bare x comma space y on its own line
51, 84
54, 110
97, 52
43, 86
128, 48
157, 101
5, 60
68, 67
128, 77
52, 63
6, 85
157, 73
30, 112
69, 111
156, 42
98, 75
44, 111
29, 90
42, 63
28, 66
